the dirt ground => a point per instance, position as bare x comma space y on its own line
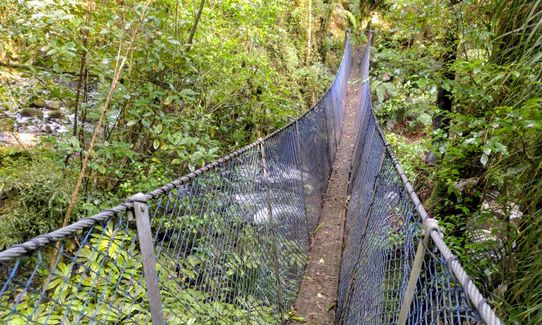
317, 296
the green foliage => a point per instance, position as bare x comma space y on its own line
488, 165
105, 283
176, 107
404, 84
409, 152
34, 190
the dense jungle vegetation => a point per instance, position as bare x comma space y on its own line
167, 85
104, 99
457, 85
122, 96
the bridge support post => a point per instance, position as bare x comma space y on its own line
272, 231
332, 107
301, 167
146, 246
429, 225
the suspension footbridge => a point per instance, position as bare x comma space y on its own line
236, 241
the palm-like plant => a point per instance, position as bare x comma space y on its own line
517, 46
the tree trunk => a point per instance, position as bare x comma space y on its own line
80, 82
195, 26
323, 30
83, 112
176, 21
444, 96
309, 33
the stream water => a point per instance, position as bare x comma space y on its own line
27, 128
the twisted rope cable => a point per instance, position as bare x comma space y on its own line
62, 233
59, 234
476, 298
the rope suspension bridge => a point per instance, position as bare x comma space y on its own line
229, 243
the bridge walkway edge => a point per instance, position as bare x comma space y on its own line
315, 303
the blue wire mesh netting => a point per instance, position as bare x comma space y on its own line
230, 243
382, 232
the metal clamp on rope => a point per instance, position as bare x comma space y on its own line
139, 198
429, 225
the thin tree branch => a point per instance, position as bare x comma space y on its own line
105, 107
195, 26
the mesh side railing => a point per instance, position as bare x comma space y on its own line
395, 267
225, 244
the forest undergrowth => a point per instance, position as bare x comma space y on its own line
200, 79
457, 87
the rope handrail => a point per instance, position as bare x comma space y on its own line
475, 298
45, 239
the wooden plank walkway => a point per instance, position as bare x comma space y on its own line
317, 296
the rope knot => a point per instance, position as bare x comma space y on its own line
429, 225
139, 197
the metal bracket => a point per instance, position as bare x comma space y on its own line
429, 225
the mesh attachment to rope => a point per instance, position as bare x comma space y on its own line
225, 244
395, 267
429, 225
